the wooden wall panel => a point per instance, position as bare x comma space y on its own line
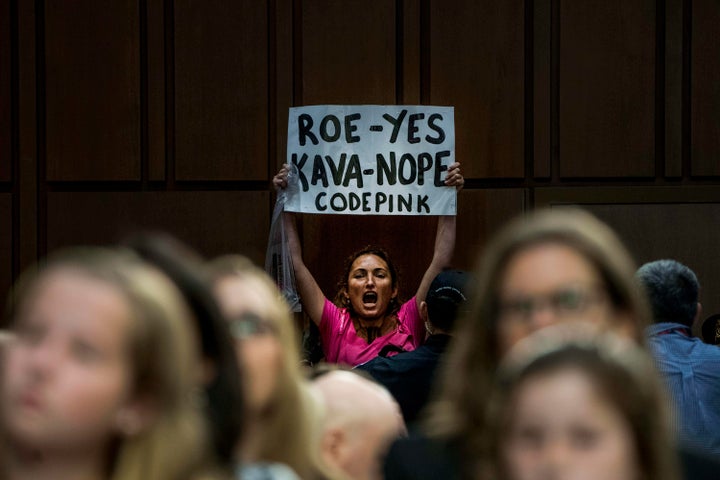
5, 92
27, 174
282, 81
221, 90
607, 88
6, 259
705, 89
92, 79
347, 52
330, 239
676, 234
411, 53
543, 71
673, 87
212, 222
476, 64
482, 213
156, 119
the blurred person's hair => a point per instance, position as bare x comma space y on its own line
163, 356
458, 410
607, 360
290, 421
223, 391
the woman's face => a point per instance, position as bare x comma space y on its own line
370, 286
244, 302
546, 284
561, 429
67, 375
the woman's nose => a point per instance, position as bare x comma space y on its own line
542, 316
42, 358
555, 458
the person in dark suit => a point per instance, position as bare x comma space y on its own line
409, 376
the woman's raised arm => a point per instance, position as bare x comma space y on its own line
444, 238
311, 297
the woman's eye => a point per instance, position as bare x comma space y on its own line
84, 351
529, 437
585, 439
569, 300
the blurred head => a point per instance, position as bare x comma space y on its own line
551, 266
673, 290
368, 287
548, 267
361, 421
556, 411
277, 402
221, 377
261, 325
103, 361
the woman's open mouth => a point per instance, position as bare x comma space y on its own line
369, 298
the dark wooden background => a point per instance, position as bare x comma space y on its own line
127, 114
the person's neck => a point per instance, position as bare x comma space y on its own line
372, 322
372, 328
23, 463
248, 448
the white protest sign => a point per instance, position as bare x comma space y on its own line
371, 159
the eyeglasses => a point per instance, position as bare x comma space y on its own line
563, 302
249, 324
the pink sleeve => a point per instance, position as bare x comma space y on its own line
411, 317
330, 323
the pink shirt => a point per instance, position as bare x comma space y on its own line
342, 344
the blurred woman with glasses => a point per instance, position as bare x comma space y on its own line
545, 268
282, 418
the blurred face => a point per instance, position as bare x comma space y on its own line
370, 287
244, 302
67, 371
546, 284
560, 429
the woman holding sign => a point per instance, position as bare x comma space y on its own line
365, 318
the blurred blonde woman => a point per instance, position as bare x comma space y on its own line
547, 267
280, 413
99, 380
571, 403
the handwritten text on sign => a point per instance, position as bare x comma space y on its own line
371, 159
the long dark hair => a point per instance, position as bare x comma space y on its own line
342, 300
223, 392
